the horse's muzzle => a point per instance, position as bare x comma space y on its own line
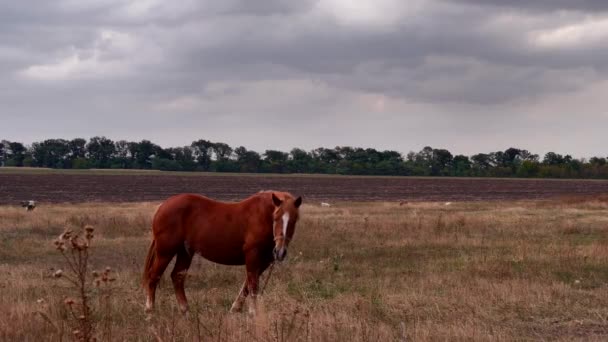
280, 254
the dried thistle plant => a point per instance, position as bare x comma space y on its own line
75, 248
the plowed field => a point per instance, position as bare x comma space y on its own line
83, 187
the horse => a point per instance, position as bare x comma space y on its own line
254, 232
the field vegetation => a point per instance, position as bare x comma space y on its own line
517, 270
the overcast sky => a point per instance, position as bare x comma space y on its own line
467, 75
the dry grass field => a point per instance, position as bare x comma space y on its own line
355, 272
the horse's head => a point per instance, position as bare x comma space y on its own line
285, 218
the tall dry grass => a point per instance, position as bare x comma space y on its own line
356, 272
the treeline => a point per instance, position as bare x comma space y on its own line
203, 155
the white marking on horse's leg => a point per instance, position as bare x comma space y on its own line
148, 304
253, 305
285, 221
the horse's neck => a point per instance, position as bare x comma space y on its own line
261, 204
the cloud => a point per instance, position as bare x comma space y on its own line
590, 32
111, 55
387, 66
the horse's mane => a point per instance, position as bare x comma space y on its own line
280, 194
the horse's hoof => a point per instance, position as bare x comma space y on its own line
184, 309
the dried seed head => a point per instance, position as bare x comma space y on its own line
66, 235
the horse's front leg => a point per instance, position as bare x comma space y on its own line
255, 265
253, 279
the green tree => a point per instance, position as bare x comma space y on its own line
144, 152
462, 166
54, 153
3, 151
300, 161
203, 150
78, 148
247, 161
100, 151
275, 161
15, 154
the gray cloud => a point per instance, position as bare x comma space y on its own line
130, 69
541, 5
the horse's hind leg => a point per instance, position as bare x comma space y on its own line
178, 275
156, 271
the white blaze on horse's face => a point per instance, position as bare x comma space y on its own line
285, 222
280, 236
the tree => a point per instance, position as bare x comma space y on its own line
441, 162
100, 151
276, 161
528, 168
462, 166
300, 161
15, 153
481, 163
222, 151
597, 161
78, 148
184, 157
202, 152
247, 161
144, 152
552, 158
122, 158
326, 160
54, 153
3, 151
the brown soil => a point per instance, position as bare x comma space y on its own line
58, 188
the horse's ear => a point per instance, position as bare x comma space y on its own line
277, 202
298, 202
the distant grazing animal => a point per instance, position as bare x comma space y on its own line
448, 203
254, 232
28, 205
402, 202
324, 204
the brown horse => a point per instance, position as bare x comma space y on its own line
254, 233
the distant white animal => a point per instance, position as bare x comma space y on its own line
448, 203
28, 205
325, 204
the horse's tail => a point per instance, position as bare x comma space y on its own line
149, 261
